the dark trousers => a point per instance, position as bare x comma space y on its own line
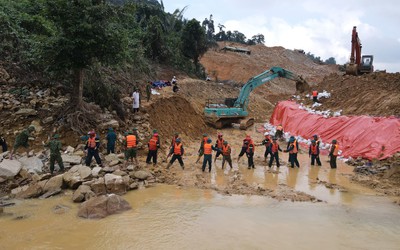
332, 161
315, 99
218, 153
293, 160
267, 152
207, 158
58, 159
92, 153
176, 157
152, 155
274, 156
250, 160
111, 148
315, 157
228, 159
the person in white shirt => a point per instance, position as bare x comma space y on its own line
136, 100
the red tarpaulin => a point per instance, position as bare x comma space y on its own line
365, 136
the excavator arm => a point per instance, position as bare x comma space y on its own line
220, 115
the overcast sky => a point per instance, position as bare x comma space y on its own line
320, 27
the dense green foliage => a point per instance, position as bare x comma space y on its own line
65, 38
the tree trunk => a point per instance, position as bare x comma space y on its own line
77, 91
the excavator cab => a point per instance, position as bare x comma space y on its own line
366, 64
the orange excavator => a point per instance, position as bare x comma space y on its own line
358, 64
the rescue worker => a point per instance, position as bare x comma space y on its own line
201, 149
22, 140
111, 138
250, 154
279, 132
177, 151
154, 145
3, 144
226, 154
149, 86
267, 143
315, 96
176, 136
55, 155
208, 148
92, 149
130, 144
218, 144
293, 149
317, 141
245, 145
274, 148
333, 153
313, 152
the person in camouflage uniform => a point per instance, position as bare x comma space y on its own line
22, 141
55, 155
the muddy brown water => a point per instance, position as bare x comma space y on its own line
172, 217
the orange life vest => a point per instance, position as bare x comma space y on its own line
130, 141
335, 150
315, 93
178, 149
153, 143
251, 143
275, 147
207, 149
294, 150
220, 143
226, 149
314, 149
91, 143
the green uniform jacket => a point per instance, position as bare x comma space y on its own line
55, 147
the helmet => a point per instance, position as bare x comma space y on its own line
176, 133
334, 141
155, 134
110, 129
56, 136
154, 130
266, 133
313, 141
91, 132
130, 132
134, 128
225, 142
31, 128
291, 139
178, 140
315, 136
219, 134
204, 135
209, 140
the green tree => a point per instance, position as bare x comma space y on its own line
194, 42
330, 60
155, 39
88, 33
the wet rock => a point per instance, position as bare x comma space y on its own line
111, 157
99, 187
60, 209
142, 174
108, 169
26, 112
114, 184
114, 163
76, 175
133, 186
50, 193
9, 168
72, 159
110, 124
18, 190
119, 172
54, 183
33, 191
69, 149
32, 164
83, 193
47, 120
103, 206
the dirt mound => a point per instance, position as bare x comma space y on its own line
375, 94
175, 114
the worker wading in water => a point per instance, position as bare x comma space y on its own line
208, 148
226, 154
292, 148
333, 153
274, 148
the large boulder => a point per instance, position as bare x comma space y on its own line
109, 124
32, 164
33, 191
54, 183
103, 206
10, 168
115, 184
72, 159
111, 157
83, 193
142, 175
99, 187
76, 175
26, 112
